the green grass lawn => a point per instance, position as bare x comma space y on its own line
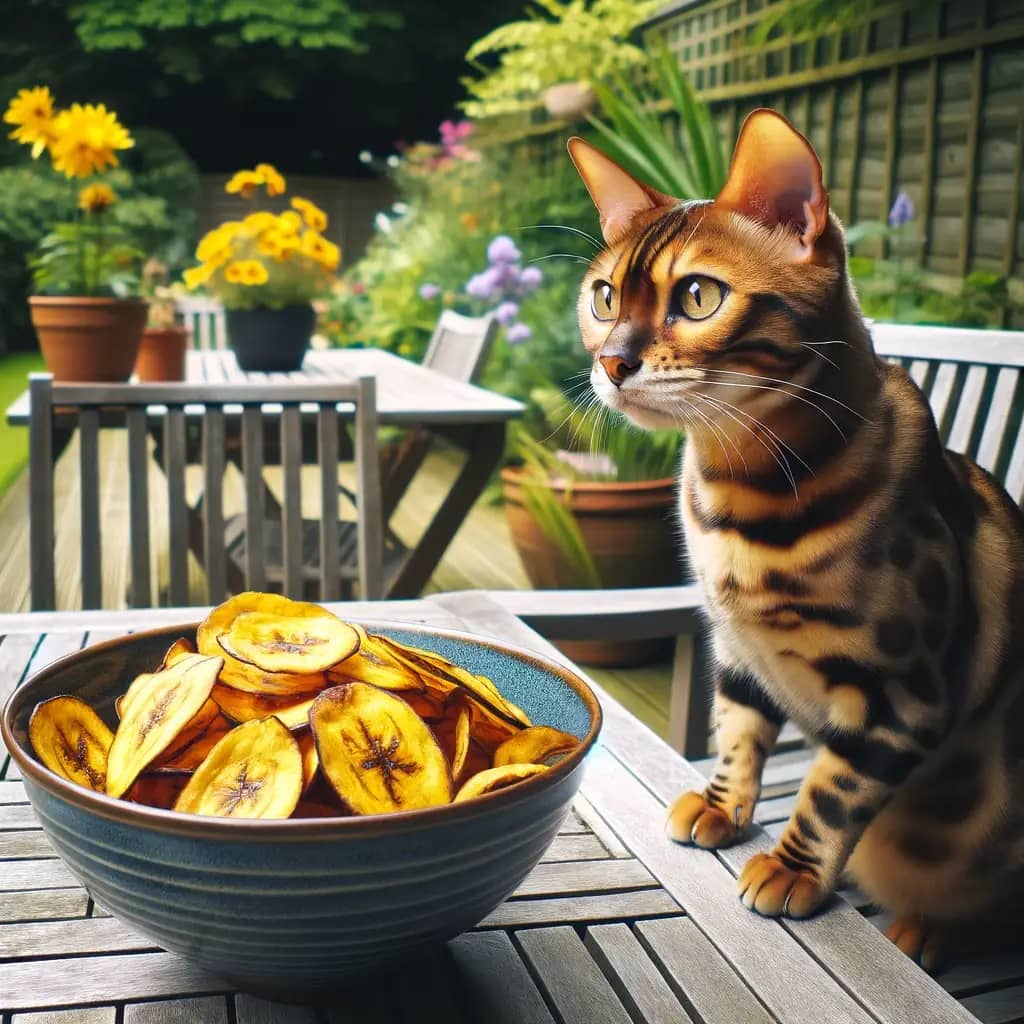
14, 371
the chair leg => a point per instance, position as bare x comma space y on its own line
690, 697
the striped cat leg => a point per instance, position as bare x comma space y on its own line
849, 781
747, 723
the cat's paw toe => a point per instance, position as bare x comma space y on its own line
774, 890
920, 941
692, 820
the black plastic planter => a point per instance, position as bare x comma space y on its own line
270, 340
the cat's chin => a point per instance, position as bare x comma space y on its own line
639, 415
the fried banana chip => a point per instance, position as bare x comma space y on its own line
375, 663
155, 711
376, 752
310, 758
535, 745
453, 733
255, 771
186, 759
498, 778
71, 740
157, 790
243, 706
177, 651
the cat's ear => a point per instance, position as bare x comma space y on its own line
775, 177
618, 196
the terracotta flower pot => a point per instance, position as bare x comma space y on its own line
630, 530
569, 100
88, 338
162, 354
271, 340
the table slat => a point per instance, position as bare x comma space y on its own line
51, 905
20, 844
637, 982
582, 909
90, 1015
565, 878
575, 847
251, 1010
212, 1010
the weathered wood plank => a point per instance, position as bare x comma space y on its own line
562, 879
31, 842
16, 654
54, 646
498, 987
32, 984
89, 508
17, 875
636, 981
70, 938
51, 905
570, 979
582, 909
251, 1010
13, 793
17, 816
577, 847
90, 1015
1003, 1006
212, 1010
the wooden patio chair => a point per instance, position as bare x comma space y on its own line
204, 318
458, 348
974, 382
168, 410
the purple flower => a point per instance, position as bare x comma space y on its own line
902, 211
506, 313
429, 291
453, 132
502, 250
517, 334
530, 279
486, 286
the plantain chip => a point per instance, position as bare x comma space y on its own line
157, 790
497, 778
376, 752
243, 706
309, 808
177, 651
71, 740
453, 733
310, 758
375, 663
255, 771
188, 758
535, 745
154, 711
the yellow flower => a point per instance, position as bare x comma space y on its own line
318, 248
215, 245
85, 139
31, 111
470, 221
272, 179
278, 244
244, 182
259, 221
314, 217
290, 221
94, 198
246, 272
197, 276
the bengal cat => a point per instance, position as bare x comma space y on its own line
859, 579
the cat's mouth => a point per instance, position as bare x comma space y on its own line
645, 400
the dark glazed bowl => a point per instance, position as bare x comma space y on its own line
292, 908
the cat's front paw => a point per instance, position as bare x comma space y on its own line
774, 890
920, 940
692, 820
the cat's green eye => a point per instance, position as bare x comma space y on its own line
603, 301
699, 296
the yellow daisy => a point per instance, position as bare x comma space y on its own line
272, 178
318, 248
86, 137
289, 222
244, 183
31, 111
94, 198
195, 277
259, 221
314, 217
246, 272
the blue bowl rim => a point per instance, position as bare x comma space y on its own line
201, 826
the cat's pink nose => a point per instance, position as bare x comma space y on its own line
618, 369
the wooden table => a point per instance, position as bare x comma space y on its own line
408, 395
616, 926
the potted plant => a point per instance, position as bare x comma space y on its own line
557, 54
164, 340
87, 320
267, 269
591, 505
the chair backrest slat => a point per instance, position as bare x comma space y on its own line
138, 506
922, 372
291, 506
327, 452
89, 495
460, 345
206, 321
42, 584
177, 506
252, 468
370, 528
1014, 481
948, 382
968, 419
214, 441
992, 447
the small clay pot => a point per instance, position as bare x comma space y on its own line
88, 339
162, 354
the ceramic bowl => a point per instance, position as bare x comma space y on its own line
293, 908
